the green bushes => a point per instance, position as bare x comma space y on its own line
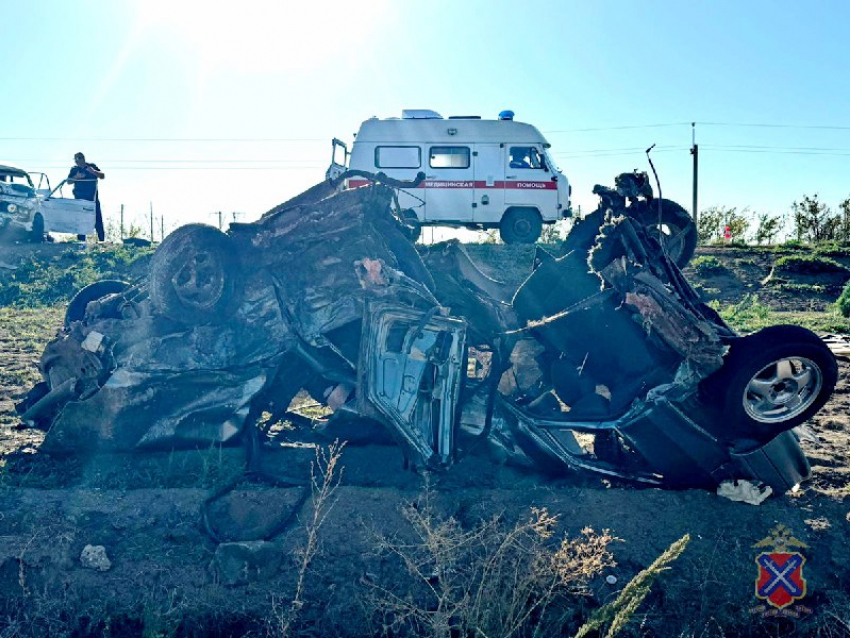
707, 266
809, 265
842, 305
45, 280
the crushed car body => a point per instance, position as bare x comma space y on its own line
603, 361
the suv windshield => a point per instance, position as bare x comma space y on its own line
18, 184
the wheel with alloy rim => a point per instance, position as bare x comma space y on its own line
195, 275
782, 390
520, 226
773, 380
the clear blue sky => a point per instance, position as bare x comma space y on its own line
266, 85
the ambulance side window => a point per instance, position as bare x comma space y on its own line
398, 157
449, 157
525, 157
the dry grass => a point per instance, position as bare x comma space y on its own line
491, 580
326, 474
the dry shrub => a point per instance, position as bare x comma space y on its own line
491, 580
325, 476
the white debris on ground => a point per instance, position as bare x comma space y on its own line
94, 557
839, 344
744, 492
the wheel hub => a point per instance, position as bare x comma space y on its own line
671, 238
782, 390
200, 282
522, 227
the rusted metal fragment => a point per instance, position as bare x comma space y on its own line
691, 338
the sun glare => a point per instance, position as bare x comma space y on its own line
262, 36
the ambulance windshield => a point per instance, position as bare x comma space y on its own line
550, 162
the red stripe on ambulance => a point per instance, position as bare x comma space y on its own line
440, 184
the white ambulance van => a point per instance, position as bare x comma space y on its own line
478, 173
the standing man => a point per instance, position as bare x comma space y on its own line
84, 177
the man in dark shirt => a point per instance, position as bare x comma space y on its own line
84, 176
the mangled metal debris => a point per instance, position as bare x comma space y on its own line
604, 360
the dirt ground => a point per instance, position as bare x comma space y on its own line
146, 511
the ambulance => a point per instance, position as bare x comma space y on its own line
479, 173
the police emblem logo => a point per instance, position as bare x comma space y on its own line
780, 580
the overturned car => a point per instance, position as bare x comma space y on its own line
603, 361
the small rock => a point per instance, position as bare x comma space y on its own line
94, 557
241, 562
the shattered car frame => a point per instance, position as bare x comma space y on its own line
603, 361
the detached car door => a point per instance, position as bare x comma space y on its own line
67, 215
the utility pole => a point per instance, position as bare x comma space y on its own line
151, 222
695, 153
122, 223
220, 219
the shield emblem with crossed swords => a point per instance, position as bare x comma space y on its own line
780, 579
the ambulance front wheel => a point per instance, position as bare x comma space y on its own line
520, 226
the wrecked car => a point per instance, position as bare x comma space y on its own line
38, 209
18, 200
604, 361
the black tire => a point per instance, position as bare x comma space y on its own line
772, 381
677, 232
520, 226
196, 276
76, 310
37, 233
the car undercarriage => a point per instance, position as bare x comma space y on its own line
604, 361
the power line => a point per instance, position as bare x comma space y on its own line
203, 168
618, 128
637, 150
174, 161
777, 150
826, 127
162, 139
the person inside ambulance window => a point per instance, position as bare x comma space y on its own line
525, 157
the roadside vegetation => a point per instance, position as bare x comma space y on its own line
750, 315
497, 579
807, 222
49, 279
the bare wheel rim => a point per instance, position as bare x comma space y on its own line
200, 281
671, 237
782, 390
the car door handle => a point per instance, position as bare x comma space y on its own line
510, 176
430, 177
